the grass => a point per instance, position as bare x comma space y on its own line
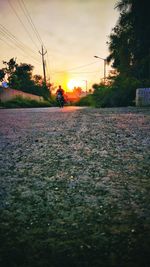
19, 102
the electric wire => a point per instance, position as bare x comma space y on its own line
18, 45
13, 46
84, 72
5, 41
7, 32
22, 24
28, 16
82, 66
30, 21
12, 39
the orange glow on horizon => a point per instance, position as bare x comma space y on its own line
71, 84
74, 83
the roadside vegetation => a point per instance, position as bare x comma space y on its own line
120, 93
20, 77
129, 55
19, 102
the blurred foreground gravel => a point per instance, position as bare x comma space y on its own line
74, 187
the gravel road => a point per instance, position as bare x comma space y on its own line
97, 157
84, 143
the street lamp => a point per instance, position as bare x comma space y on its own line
104, 59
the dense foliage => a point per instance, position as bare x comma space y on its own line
20, 77
129, 54
121, 93
129, 41
86, 101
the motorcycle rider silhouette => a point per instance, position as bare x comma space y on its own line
60, 96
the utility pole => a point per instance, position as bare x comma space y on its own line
43, 61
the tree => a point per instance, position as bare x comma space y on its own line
38, 79
10, 66
129, 43
20, 77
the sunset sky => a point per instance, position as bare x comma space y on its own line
72, 31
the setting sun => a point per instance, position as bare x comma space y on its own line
74, 83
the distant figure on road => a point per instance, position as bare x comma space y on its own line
60, 96
60, 91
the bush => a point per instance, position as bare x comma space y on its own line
86, 101
121, 93
124, 91
101, 96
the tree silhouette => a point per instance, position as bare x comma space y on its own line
20, 78
129, 42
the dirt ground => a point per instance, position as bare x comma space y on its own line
75, 186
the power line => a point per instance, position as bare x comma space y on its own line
7, 32
22, 23
28, 16
82, 72
82, 66
12, 46
6, 42
11, 38
30, 21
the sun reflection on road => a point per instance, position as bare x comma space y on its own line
70, 108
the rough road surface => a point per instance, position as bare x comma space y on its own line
75, 187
